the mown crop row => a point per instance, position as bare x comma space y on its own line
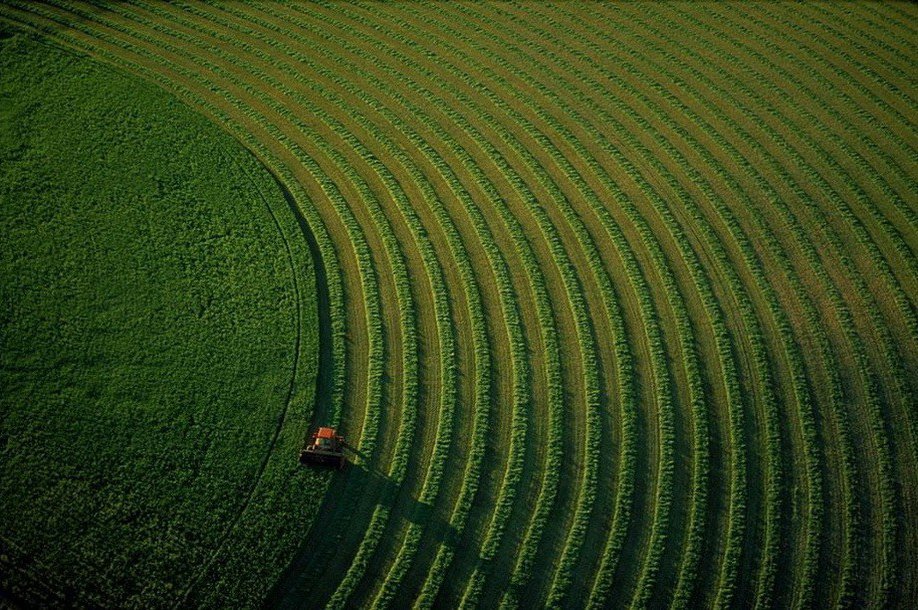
855, 192
402, 556
647, 587
900, 21
839, 206
767, 578
751, 325
514, 471
584, 502
428, 495
776, 197
815, 263
487, 550
513, 323
559, 584
839, 202
685, 267
869, 52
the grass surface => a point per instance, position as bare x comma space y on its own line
621, 297
159, 346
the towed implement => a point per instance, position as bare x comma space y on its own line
325, 447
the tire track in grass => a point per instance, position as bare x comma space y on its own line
282, 418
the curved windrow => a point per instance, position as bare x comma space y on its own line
622, 298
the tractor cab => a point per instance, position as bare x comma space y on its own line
326, 446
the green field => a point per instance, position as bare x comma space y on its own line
159, 344
616, 304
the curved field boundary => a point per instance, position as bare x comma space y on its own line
294, 386
282, 418
369, 303
508, 503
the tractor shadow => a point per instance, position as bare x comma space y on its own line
362, 488
392, 496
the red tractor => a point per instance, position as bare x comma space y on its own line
326, 447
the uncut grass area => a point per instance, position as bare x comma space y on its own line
158, 347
